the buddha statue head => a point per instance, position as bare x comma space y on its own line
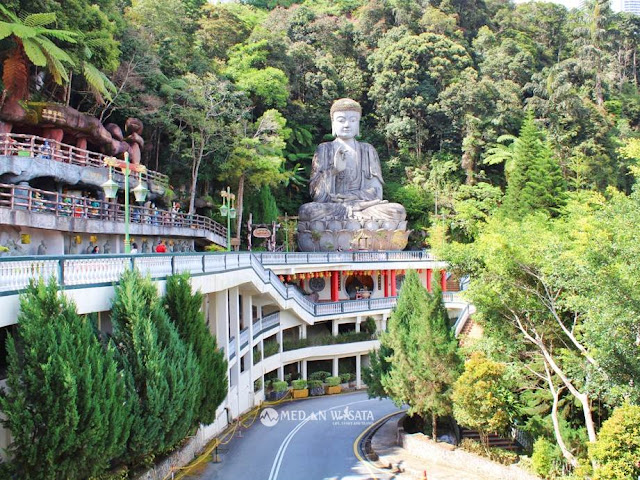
345, 118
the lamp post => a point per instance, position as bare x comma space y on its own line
228, 210
111, 189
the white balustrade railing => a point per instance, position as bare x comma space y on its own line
232, 348
244, 337
342, 257
187, 263
15, 273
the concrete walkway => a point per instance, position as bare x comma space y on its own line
385, 445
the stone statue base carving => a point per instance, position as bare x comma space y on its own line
352, 234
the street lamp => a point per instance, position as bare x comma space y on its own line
228, 210
111, 189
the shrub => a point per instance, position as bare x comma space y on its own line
617, 450
545, 458
368, 326
279, 386
333, 381
320, 375
257, 355
345, 377
270, 348
314, 383
287, 378
299, 384
498, 455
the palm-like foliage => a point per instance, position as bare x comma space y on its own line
33, 43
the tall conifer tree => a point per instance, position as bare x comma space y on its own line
66, 405
535, 180
163, 371
184, 309
424, 362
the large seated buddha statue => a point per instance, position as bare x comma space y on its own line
348, 212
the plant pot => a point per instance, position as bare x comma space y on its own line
275, 396
316, 391
332, 390
304, 393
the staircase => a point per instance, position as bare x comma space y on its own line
494, 440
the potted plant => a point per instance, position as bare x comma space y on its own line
315, 388
333, 385
300, 389
280, 390
344, 380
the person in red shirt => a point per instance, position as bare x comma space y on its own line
161, 247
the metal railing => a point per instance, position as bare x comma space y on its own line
33, 146
461, 320
15, 274
18, 197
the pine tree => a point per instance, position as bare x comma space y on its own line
378, 368
164, 373
184, 310
424, 362
535, 179
66, 405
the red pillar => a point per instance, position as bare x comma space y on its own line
301, 284
393, 283
443, 280
429, 277
334, 286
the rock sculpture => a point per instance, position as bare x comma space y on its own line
42, 248
348, 211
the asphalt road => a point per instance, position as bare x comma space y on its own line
309, 439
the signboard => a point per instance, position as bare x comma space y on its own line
262, 232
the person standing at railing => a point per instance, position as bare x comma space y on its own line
161, 247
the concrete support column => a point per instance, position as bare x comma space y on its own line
429, 279
279, 338
383, 323
303, 369
281, 372
234, 323
247, 317
220, 319
358, 373
335, 328
358, 322
303, 331
335, 367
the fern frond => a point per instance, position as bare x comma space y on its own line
34, 52
56, 69
39, 19
22, 31
5, 30
98, 81
52, 50
63, 35
6, 13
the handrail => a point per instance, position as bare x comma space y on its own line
461, 320
78, 270
19, 197
15, 143
281, 258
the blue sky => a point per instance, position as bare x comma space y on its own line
566, 3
